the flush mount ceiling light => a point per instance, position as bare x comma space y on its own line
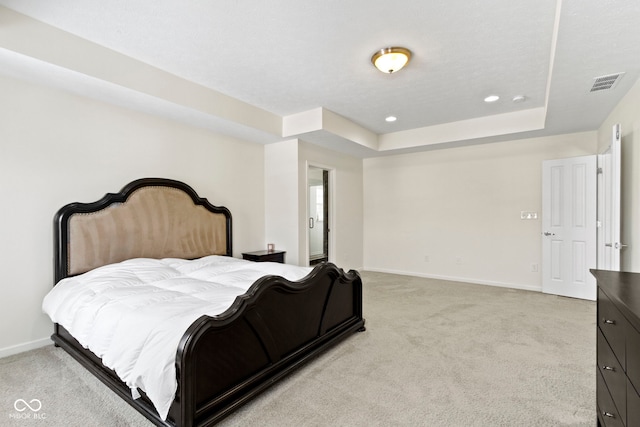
491, 98
391, 59
391, 119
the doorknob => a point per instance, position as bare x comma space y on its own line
546, 233
616, 245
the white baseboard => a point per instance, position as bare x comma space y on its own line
32, 345
459, 279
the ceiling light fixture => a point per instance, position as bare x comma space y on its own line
391, 59
491, 98
391, 119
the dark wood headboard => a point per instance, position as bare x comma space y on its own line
148, 218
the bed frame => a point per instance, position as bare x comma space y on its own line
225, 360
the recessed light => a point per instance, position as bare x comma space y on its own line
491, 98
391, 119
518, 98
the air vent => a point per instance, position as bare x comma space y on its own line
606, 82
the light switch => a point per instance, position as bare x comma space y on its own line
528, 215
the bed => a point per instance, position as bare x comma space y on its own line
223, 360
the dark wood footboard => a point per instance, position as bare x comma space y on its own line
278, 325
224, 361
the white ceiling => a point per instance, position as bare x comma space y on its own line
287, 66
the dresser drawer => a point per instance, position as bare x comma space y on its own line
607, 412
613, 325
613, 374
633, 406
633, 362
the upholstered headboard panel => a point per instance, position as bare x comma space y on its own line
149, 218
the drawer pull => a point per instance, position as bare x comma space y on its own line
609, 368
609, 322
608, 414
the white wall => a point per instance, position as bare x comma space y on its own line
345, 204
57, 148
461, 208
286, 165
281, 198
627, 113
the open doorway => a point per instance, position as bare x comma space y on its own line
318, 226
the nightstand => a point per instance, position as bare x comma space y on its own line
264, 256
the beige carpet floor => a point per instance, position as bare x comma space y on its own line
435, 353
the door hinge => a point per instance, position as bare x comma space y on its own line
599, 171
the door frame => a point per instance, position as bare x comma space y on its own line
609, 203
330, 197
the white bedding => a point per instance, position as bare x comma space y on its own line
133, 314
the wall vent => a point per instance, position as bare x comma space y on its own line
606, 82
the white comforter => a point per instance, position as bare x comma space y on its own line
133, 314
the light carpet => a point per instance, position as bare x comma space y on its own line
435, 353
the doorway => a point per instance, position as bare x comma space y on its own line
318, 226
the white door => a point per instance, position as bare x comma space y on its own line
609, 245
569, 227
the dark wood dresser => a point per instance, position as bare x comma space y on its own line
618, 341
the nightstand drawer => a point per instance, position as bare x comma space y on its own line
265, 256
613, 325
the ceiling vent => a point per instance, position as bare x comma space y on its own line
606, 82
